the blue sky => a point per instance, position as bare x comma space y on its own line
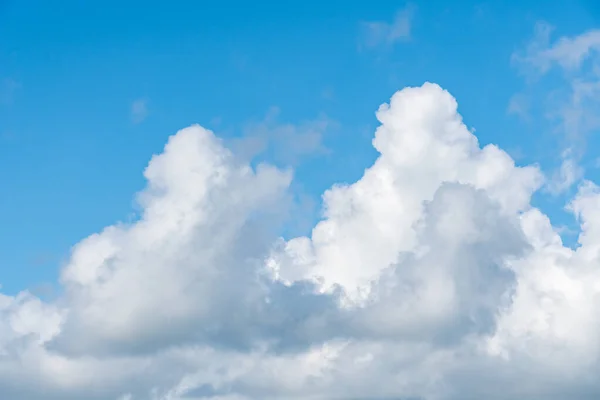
73, 74
340, 235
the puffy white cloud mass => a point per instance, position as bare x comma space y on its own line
431, 277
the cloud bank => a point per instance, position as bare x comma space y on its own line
431, 277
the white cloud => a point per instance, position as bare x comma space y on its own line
568, 174
139, 110
430, 277
419, 151
377, 33
566, 52
519, 105
284, 142
573, 100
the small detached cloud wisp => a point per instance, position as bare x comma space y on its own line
139, 110
383, 33
8, 90
574, 98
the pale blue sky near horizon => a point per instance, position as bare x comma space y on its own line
90, 90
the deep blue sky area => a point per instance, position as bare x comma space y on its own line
89, 90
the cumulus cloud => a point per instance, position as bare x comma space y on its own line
430, 277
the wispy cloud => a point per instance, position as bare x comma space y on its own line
566, 175
387, 33
286, 142
328, 93
519, 105
572, 100
139, 110
566, 52
8, 89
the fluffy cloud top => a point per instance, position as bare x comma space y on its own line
430, 277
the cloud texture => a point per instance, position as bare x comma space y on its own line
430, 277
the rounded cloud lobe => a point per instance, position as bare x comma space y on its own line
430, 277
